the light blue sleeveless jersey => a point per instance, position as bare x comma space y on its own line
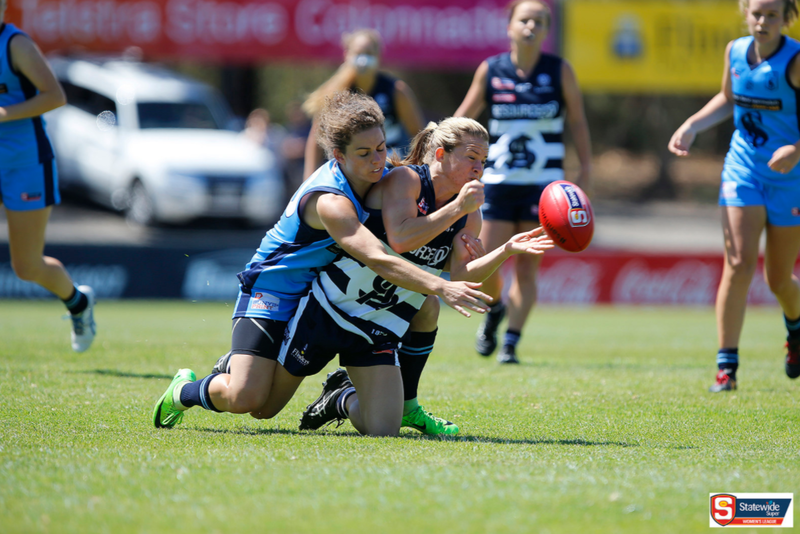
291, 253
24, 142
765, 111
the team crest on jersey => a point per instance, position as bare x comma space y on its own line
423, 207
543, 79
503, 84
796, 212
264, 301
31, 197
382, 294
504, 97
734, 73
3, 88
772, 81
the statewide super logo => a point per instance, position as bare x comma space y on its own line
578, 214
748, 510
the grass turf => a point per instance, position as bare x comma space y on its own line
606, 426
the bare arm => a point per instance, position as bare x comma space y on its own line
475, 101
405, 231
463, 267
314, 156
338, 216
408, 111
785, 158
718, 109
578, 125
28, 60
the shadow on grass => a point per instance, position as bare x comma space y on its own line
418, 437
255, 431
531, 441
121, 374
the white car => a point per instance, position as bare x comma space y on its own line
158, 146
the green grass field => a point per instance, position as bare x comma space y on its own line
605, 427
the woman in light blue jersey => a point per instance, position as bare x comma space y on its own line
760, 187
324, 219
28, 177
530, 96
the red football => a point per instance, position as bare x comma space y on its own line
566, 215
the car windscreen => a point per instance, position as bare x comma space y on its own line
176, 115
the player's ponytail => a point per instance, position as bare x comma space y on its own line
418, 148
447, 134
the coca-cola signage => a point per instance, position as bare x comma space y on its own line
418, 33
596, 277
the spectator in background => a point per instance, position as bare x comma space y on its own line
28, 176
298, 128
360, 72
260, 129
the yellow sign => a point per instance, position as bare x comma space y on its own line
651, 47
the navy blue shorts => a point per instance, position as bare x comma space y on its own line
512, 203
313, 339
257, 337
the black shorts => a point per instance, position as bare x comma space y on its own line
257, 337
512, 203
313, 339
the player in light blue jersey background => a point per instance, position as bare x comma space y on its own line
28, 177
760, 187
324, 218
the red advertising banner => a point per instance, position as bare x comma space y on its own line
636, 278
417, 33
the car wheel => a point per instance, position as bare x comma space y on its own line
140, 206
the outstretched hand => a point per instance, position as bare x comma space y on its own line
533, 242
463, 296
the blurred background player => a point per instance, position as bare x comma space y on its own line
360, 72
760, 179
28, 177
352, 311
530, 94
324, 218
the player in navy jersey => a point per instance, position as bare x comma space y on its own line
354, 312
360, 72
324, 219
28, 177
530, 95
760, 187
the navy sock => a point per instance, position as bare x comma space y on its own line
793, 327
728, 360
341, 402
77, 302
413, 355
512, 338
497, 309
196, 394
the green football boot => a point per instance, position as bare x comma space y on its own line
429, 424
165, 414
